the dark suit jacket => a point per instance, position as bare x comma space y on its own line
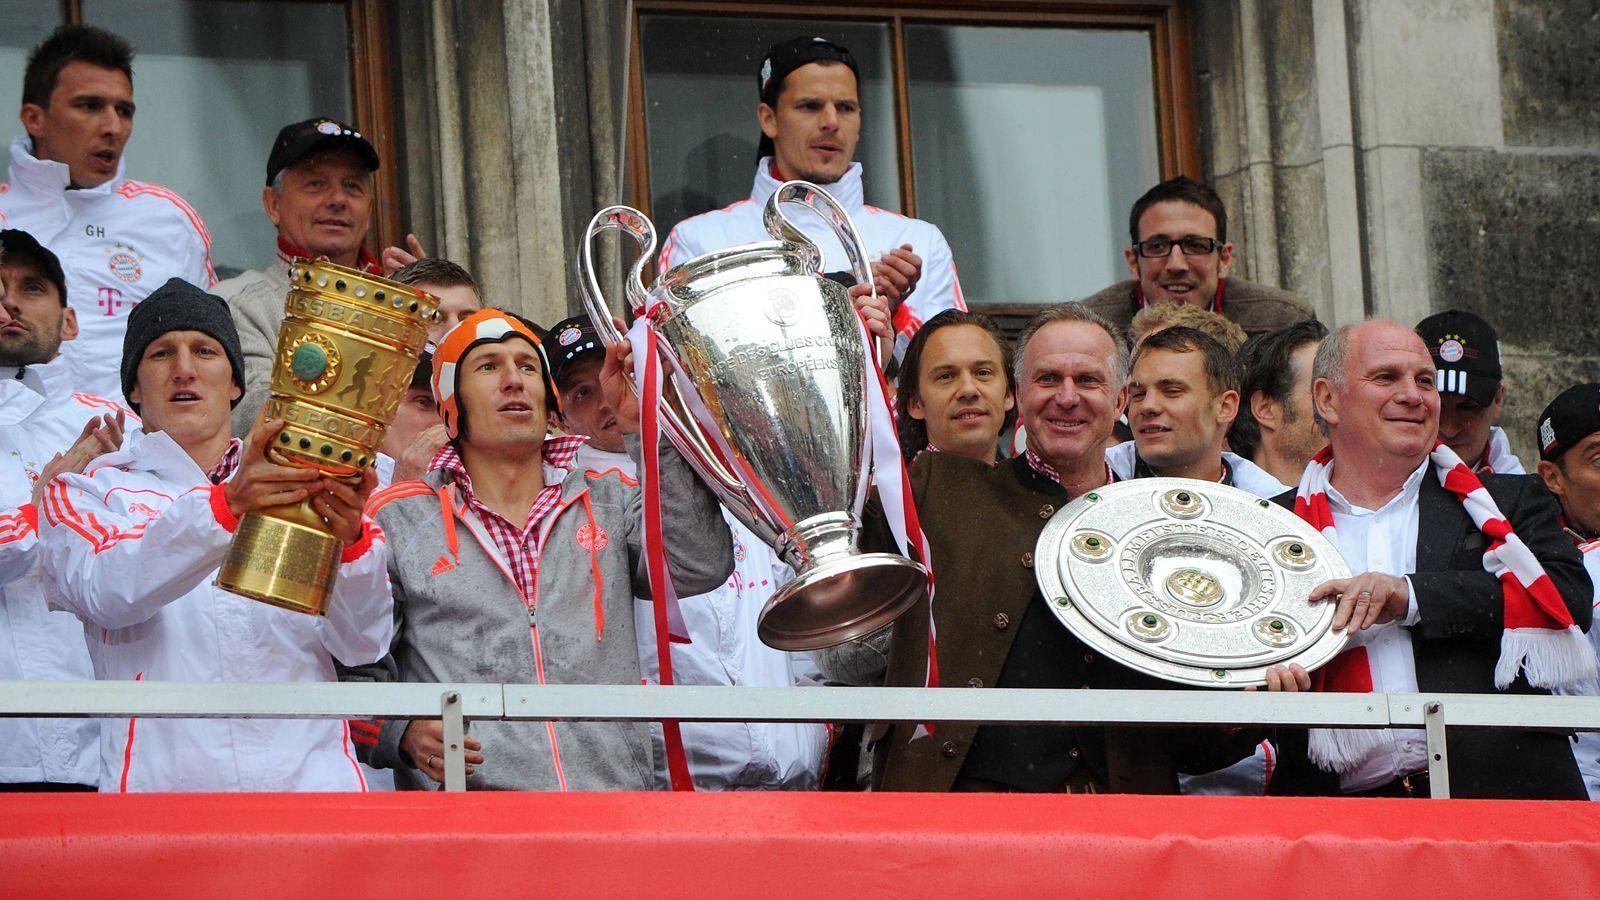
1457, 640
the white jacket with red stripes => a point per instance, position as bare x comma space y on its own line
40, 416
881, 231
134, 545
117, 243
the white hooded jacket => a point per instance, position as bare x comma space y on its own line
881, 231
134, 545
40, 416
116, 242
1586, 744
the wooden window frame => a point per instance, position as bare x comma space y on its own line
1167, 21
372, 99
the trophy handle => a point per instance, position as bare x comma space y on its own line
683, 431
631, 222
808, 195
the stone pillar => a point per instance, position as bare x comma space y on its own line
511, 133
1397, 158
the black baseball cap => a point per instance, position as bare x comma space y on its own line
568, 341
296, 141
422, 375
19, 243
781, 59
1572, 416
1466, 351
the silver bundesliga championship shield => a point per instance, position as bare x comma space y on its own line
1190, 581
769, 406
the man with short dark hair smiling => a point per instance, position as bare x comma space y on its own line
955, 393
1183, 393
1178, 252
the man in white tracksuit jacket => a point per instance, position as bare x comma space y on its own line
40, 415
810, 116
118, 239
133, 547
1569, 447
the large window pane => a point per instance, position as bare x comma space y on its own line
214, 82
700, 107
1028, 146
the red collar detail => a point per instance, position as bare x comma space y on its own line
365, 261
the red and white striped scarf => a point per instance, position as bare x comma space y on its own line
1540, 638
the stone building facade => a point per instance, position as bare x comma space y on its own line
1389, 158
1380, 157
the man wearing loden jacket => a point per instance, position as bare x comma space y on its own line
509, 567
40, 416
132, 548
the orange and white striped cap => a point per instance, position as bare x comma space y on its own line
486, 326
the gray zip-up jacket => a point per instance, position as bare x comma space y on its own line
460, 618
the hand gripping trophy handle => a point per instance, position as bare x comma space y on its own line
682, 430
827, 209
766, 398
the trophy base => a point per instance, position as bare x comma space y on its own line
841, 600
282, 564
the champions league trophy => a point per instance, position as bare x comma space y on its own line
346, 351
768, 367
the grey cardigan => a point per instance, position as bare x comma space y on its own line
465, 621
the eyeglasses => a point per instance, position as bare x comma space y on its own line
1161, 248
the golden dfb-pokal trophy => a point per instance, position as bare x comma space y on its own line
346, 352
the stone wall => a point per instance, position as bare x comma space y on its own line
510, 113
1399, 158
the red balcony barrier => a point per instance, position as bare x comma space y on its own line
816, 846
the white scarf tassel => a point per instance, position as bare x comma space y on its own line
1342, 749
1550, 658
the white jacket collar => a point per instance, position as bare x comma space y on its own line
56, 379
19, 397
847, 190
29, 377
51, 381
1247, 476
155, 453
45, 176
591, 458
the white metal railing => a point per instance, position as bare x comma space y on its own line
457, 704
